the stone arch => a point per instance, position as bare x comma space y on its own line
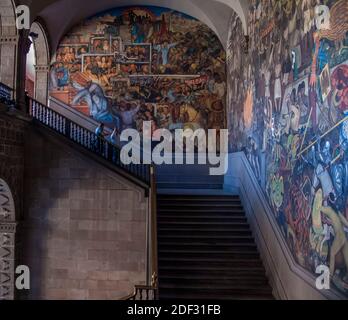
7, 241
42, 55
8, 43
240, 9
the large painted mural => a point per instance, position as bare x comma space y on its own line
288, 111
135, 64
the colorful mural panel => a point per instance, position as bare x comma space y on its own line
294, 128
132, 64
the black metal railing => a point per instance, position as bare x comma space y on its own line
87, 139
6, 95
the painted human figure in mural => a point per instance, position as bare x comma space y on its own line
127, 113
253, 156
94, 96
59, 76
306, 160
164, 50
303, 103
278, 86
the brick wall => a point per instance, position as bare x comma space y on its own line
84, 229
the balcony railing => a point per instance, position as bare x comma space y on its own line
6, 95
87, 139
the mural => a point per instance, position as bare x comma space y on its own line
288, 111
135, 64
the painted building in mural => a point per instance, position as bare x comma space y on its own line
288, 110
135, 64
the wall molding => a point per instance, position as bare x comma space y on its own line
9, 40
288, 279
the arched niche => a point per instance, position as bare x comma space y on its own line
7, 242
8, 43
166, 66
41, 61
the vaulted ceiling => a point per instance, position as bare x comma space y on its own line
60, 15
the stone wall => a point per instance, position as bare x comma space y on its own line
11, 194
11, 155
84, 227
8, 43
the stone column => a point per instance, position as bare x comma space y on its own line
41, 83
24, 44
7, 260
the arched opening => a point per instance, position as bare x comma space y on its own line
7, 242
8, 43
30, 74
37, 66
134, 64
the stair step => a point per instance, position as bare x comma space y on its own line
218, 282
232, 267
186, 238
230, 226
210, 275
204, 232
190, 186
199, 205
202, 198
218, 260
238, 290
209, 243
169, 295
235, 221
195, 272
211, 211
231, 261
208, 251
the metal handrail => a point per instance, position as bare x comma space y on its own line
150, 292
86, 139
153, 213
6, 95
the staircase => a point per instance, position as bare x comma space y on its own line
206, 250
188, 177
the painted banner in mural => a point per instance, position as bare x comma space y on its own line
135, 64
288, 110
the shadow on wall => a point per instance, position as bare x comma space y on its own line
294, 130
84, 229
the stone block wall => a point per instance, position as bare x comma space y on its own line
83, 235
11, 194
12, 131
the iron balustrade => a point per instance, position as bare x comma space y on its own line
6, 95
86, 139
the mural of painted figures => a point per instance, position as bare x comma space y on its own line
288, 110
135, 64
